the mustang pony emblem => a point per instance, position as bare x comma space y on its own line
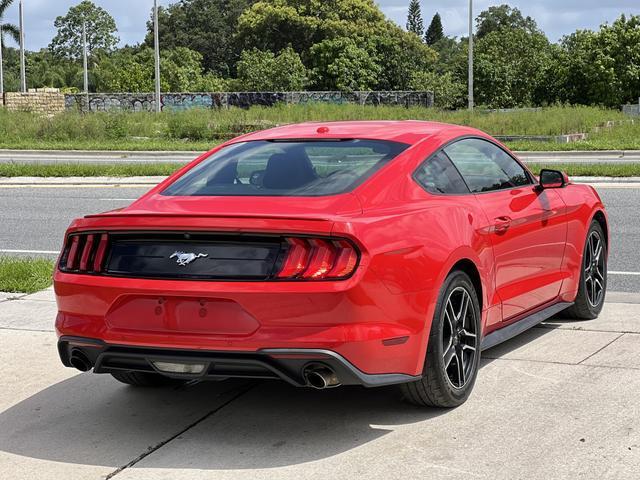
183, 259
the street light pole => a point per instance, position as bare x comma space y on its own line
1, 69
470, 54
156, 38
85, 62
23, 74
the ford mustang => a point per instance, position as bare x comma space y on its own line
327, 254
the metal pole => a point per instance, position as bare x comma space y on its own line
85, 62
470, 54
1, 71
23, 74
156, 38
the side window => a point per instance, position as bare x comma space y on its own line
486, 167
438, 175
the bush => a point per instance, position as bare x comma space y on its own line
448, 92
262, 71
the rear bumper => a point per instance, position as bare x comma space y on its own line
374, 330
285, 364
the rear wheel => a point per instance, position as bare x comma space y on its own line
453, 351
144, 379
593, 277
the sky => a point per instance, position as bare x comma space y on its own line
555, 17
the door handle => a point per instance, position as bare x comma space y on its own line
502, 224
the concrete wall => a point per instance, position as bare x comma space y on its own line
633, 109
45, 101
185, 101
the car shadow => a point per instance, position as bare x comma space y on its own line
93, 420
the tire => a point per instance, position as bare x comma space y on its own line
593, 272
144, 379
441, 384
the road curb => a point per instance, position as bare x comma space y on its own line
143, 181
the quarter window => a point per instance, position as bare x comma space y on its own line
438, 175
486, 167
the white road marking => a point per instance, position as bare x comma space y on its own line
42, 252
117, 199
635, 274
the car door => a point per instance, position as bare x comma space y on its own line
527, 226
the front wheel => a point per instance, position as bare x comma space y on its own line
593, 277
453, 351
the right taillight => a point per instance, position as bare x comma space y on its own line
318, 259
84, 253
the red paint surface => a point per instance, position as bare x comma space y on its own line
525, 244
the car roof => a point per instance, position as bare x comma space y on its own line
404, 131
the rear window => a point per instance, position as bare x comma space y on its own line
286, 168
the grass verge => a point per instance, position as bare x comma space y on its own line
201, 129
165, 169
591, 169
25, 275
87, 169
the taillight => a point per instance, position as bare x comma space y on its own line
84, 253
318, 259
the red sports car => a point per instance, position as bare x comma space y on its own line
326, 254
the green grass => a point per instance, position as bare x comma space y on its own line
164, 169
591, 169
25, 275
199, 130
87, 169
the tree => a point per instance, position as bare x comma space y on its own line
7, 28
399, 55
45, 70
414, 19
101, 31
510, 68
602, 67
132, 70
449, 93
434, 32
341, 64
356, 32
206, 26
503, 16
263, 71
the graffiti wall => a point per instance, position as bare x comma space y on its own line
139, 102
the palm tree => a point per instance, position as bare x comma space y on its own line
6, 28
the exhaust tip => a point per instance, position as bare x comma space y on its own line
80, 361
321, 377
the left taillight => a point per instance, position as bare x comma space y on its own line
84, 253
318, 259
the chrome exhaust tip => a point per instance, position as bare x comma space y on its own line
321, 377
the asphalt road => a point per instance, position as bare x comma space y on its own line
33, 219
111, 157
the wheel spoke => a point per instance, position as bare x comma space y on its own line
461, 345
468, 334
448, 356
598, 251
464, 306
599, 274
461, 372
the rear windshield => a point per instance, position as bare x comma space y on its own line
286, 168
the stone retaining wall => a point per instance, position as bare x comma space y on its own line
184, 101
45, 101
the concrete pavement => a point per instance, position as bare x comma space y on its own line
558, 402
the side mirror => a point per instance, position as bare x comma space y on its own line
552, 179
